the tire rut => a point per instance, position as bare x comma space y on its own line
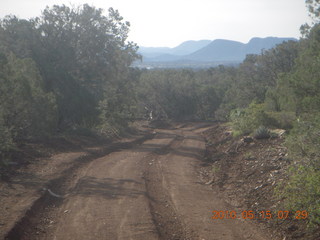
36, 216
141, 193
165, 217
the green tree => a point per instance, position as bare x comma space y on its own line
208, 101
314, 12
314, 9
169, 93
25, 109
18, 36
84, 54
304, 80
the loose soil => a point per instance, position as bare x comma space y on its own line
163, 183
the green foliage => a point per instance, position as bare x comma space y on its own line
119, 105
314, 9
183, 94
283, 120
305, 80
89, 58
80, 52
115, 114
294, 103
302, 191
281, 97
168, 93
208, 102
257, 78
304, 141
262, 132
245, 121
25, 109
68, 71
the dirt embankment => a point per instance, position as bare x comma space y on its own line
166, 184
246, 172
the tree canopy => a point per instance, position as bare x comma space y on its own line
74, 59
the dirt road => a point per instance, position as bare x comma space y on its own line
149, 191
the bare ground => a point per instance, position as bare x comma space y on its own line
154, 186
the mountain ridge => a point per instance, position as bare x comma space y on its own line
184, 48
210, 51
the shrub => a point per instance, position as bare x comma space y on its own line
109, 131
303, 141
302, 192
222, 114
284, 120
26, 109
262, 132
247, 120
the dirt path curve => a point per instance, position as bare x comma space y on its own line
150, 191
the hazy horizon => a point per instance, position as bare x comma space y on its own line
169, 23
188, 40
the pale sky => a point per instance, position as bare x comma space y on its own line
167, 23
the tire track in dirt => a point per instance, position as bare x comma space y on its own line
184, 205
164, 214
148, 190
37, 215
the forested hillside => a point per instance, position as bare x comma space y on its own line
277, 89
69, 69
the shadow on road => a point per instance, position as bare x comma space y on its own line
110, 188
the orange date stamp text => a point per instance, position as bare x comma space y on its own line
250, 214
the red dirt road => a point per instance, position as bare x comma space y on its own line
145, 192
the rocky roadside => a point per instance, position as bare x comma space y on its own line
247, 172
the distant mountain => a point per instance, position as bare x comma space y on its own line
189, 47
184, 48
255, 45
218, 50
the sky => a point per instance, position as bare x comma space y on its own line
167, 23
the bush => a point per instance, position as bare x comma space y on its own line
245, 121
109, 131
25, 109
302, 192
222, 114
284, 120
262, 132
303, 141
